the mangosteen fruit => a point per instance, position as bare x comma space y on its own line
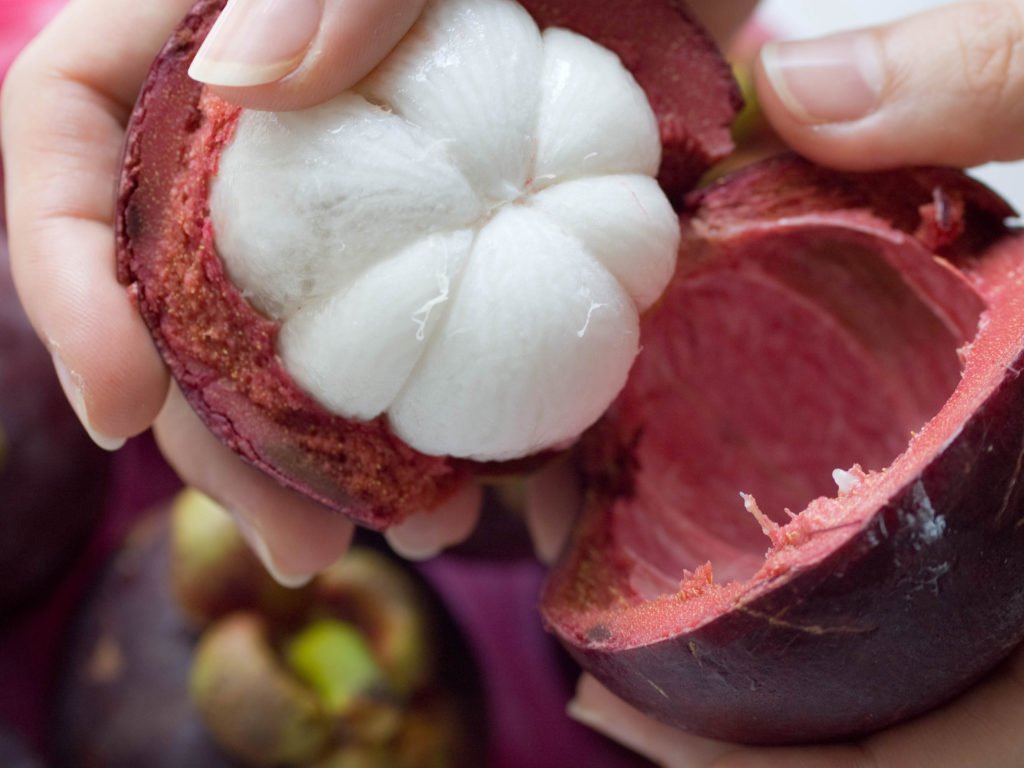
798, 390
361, 664
472, 206
833, 378
53, 479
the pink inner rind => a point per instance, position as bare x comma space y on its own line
823, 330
802, 352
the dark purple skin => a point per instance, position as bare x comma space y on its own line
920, 596
52, 478
123, 700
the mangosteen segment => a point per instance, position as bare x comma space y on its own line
447, 261
836, 369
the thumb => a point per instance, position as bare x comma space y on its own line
944, 87
290, 54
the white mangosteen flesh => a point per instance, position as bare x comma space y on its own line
464, 241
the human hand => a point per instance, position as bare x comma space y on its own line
945, 87
65, 106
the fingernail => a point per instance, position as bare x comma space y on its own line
258, 544
254, 42
835, 79
72, 386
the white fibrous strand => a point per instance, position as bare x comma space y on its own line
464, 242
847, 480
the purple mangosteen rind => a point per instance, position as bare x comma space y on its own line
123, 695
893, 611
222, 352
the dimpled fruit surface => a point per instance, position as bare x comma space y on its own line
473, 236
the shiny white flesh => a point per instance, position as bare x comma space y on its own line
463, 242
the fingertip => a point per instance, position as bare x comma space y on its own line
256, 42
598, 708
426, 534
552, 503
294, 539
74, 390
324, 50
798, 95
293, 536
943, 87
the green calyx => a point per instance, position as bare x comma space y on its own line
336, 661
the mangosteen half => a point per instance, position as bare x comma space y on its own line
833, 378
802, 433
470, 208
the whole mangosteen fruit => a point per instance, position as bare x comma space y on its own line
799, 392
187, 653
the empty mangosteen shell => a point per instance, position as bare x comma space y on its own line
924, 596
222, 352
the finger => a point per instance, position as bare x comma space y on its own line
944, 87
64, 104
723, 18
551, 505
596, 707
426, 534
295, 537
289, 54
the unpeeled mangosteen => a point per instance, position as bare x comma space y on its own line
53, 479
361, 664
830, 373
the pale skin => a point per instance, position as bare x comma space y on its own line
946, 87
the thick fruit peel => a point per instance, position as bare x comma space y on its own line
873, 603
